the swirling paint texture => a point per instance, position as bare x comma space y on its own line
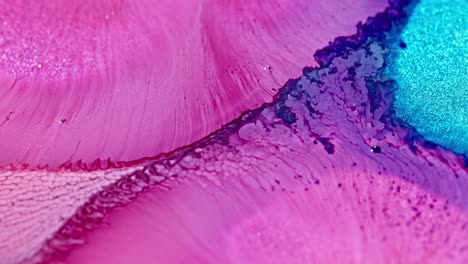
124, 80
324, 173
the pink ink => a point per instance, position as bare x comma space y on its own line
104, 103
266, 188
135, 79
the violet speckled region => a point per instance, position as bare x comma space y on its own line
323, 174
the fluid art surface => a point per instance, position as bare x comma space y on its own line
233, 132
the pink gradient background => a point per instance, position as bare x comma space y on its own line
130, 80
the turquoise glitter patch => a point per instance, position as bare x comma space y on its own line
432, 74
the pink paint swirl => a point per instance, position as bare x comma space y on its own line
115, 144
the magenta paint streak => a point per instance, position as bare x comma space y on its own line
87, 86
266, 190
320, 175
87, 82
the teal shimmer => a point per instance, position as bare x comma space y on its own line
432, 73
